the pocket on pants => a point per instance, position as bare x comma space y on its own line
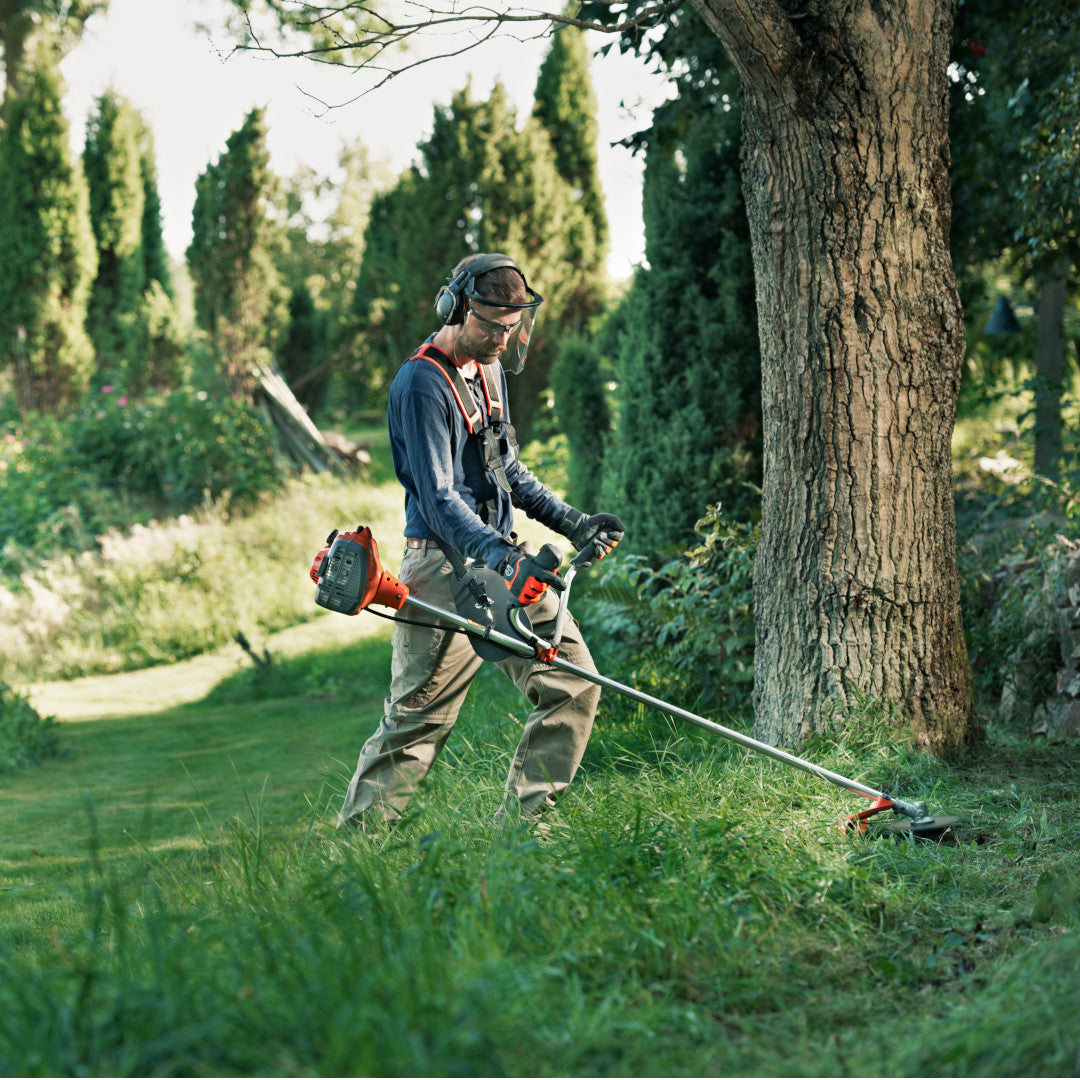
418, 640
416, 658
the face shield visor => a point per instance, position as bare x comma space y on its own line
517, 344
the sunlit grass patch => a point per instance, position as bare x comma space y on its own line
173, 590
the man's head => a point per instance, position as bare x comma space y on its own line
488, 299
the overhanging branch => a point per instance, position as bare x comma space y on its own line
376, 34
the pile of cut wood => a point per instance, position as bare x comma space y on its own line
298, 438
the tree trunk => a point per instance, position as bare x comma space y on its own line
845, 164
1049, 372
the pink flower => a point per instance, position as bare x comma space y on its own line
106, 389
121, 401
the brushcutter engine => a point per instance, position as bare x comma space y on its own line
349, 576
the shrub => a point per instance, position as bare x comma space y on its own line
46, 498
194, 447
66, 482
688, 622
1011, 572
25, 736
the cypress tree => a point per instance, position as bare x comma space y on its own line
319, 262
112, 162
305, 348
687, 367
239, 301
565, 104
583, 415
47, 253
155, 257
406, 249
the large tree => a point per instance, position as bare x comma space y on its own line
846, 177
846, 174
47, 253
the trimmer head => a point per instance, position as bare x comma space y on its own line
927, 828
916, 822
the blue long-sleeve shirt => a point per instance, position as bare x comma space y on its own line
442, 469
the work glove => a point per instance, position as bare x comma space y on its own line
604, 531
528, 576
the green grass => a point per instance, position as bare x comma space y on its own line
186, 586
175, 902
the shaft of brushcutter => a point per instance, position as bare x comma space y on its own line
525, 649
911, 810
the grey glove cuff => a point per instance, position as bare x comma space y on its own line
498, 562
570, 523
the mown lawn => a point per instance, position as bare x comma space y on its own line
175, 902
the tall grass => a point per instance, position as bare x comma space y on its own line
693, 910
181, 587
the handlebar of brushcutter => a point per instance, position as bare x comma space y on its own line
583, 559
548, 649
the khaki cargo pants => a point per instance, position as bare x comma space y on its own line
431, 672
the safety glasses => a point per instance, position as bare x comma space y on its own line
493, 329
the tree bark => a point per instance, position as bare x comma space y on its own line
845, 166
1049, 372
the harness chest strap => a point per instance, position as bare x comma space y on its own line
474, 417
489, 433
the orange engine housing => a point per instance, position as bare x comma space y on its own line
348, 575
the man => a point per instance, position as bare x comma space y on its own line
454, 453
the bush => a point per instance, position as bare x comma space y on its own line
65, 482
1011, 574
180, 447
688, 622
25, 736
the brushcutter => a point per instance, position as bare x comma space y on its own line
349, 578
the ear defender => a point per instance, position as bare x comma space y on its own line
450, 300
448, 306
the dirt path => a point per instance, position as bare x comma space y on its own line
165, 686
